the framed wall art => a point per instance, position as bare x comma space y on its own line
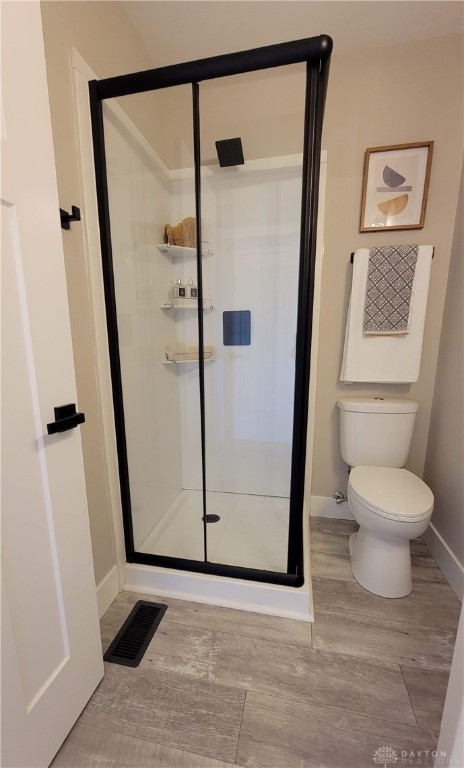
395, 186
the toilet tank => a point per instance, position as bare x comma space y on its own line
376, 431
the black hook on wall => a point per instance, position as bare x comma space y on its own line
66, 217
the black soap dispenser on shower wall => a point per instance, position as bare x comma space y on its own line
192, 290
179, 290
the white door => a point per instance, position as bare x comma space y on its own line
51, 653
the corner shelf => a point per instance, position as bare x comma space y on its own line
189, 360
177, 251
186, 304
189, 355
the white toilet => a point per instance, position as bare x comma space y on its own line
390, 504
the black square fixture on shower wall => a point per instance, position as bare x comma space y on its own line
236, 328
229, 152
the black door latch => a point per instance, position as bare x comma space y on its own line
66, 418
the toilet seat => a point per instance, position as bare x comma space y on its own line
392, 493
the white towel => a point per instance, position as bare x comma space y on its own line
385, 359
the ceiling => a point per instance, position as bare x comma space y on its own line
179, 30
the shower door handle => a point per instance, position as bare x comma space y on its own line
66, 417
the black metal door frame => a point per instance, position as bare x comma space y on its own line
315, 52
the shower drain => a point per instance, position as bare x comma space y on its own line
212, 518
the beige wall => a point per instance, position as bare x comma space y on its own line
406, 93
445, 455
102, 35
266, 109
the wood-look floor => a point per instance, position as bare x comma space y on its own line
220, 687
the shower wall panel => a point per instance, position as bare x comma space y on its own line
139, 200
252, 221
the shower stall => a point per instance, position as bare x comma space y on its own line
207, 182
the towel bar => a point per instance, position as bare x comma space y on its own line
353, 252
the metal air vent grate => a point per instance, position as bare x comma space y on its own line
133, 638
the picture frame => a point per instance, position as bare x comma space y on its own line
395, 186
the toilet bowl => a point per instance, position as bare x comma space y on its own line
392, 506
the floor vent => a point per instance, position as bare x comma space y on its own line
133, 638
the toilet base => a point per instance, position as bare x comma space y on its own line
382, 566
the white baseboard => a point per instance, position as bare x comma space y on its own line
325, 506
108, 590
446, 560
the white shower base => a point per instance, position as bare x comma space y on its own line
252, 532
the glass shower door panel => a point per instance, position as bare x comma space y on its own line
150, 186
252, 213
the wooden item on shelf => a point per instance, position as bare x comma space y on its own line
183, 234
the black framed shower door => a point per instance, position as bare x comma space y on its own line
314, 53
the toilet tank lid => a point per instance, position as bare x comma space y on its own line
377, 405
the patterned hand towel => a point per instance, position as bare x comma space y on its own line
390, 280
